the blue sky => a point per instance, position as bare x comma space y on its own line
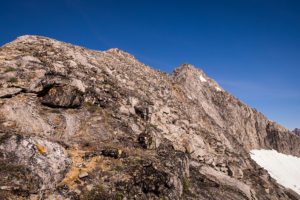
251, 47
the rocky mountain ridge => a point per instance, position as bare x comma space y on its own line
83, 124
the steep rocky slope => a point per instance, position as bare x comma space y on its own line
82, 124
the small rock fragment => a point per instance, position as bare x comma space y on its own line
114, 153
83, 175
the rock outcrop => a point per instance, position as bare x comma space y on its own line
83, 124
297, 131
43, 161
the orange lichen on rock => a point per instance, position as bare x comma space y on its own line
52, 91
41, 148
75, 171
119, 151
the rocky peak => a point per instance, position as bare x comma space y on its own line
195, 77
120, 52
187, 71
27, 39
184, 67
297, 131
121, 130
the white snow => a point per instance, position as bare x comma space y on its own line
285, 169
202, 79
218, 89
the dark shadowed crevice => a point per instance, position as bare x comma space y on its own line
45, 90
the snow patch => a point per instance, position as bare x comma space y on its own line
218, 89
202, 79
283, 168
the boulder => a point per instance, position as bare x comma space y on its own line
44, 163
62, 97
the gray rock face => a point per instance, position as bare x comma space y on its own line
297, 131
47, 162
84, 124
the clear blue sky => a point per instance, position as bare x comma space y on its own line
251, 47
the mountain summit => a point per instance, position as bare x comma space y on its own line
297, 131
84, 124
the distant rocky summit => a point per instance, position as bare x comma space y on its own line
83, 124
297, 131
